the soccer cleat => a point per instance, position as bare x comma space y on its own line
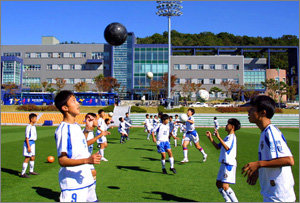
24, 175
173, 170
164, 171
103, 159
184, 161
33, 173
204, 158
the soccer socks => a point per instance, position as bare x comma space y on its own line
185, 153
148, 136
163, 163
171, 159
101, 152
175, 143
31, 164
24, 168
230, 193
202, 151
224, 195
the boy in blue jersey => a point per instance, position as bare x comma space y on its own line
274, 156
75, 176
29, 146
163, 143
227, 159
191, 136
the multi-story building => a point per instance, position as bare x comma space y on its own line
130, 62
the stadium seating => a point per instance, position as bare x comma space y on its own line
16, 118
57, 118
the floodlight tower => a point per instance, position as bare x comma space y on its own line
169, 9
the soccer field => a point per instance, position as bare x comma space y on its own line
133, 172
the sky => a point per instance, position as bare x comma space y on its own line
25, 22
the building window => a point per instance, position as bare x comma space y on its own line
18, 54
83, 54
236, 80
188, 66
49, 66
50, 54
200, 66
224, 67
200, 81
49, 80
27, 55
72, 55
60, 66
212, 67
82, 79
176, 66
32, 67
188, 80
97, 55
72, 67
212, 81
236, 66
60, 55
71, 80
224, 80
38, 55
177, 81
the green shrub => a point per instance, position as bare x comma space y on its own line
228, 100
136, 109
108, 108
164, 110
33, 107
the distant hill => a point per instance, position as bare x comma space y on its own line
226, 39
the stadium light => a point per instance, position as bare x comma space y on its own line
169, 9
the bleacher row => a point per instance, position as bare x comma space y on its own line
22, 118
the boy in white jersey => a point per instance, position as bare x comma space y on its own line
274, 156
175, 129
29, 147
148, 125
75, 176
227, 159
103, 139
101, 114
216, 123
191, 136
163, 143
122, 129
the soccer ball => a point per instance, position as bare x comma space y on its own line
150, 75
183, 117
204, 94
111, 114
50, 159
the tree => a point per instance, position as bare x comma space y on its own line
49, 88
291, 92
99, 80
228, 87
271, 86
60, 83
10, 88
215, 90
155, 87
81, 87
165, 80
44, 85
35, 87
111, 83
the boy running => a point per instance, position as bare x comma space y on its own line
29, 146
227, 159
163, 143
122, 129
75, 176
274, 156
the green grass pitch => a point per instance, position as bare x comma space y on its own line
133, 172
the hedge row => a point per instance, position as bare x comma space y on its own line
238, 109
175, 110
33, 107
108, 108
136, 109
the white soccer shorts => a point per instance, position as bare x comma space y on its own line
102, 139
86, 194
227, 173
25, 151
191, 138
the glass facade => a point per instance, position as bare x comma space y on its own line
253, 79
27, 81
150, 59
11, 72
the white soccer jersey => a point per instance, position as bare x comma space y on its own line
89, 137
171, 126
122, 126
71, 140
148, 124
277, 183
190, 126
216, 124
162, 132
155, 122
30, 132
101, 124
228, 157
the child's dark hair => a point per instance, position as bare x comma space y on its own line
151, 116
62, 98
31, 116
164, 117
215, 118
192, 110
91, 114
263, 102
100, 111
176, 115
106, 120
147, 115
120, 119
160, 114
235, 122
126, 113
171, 117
